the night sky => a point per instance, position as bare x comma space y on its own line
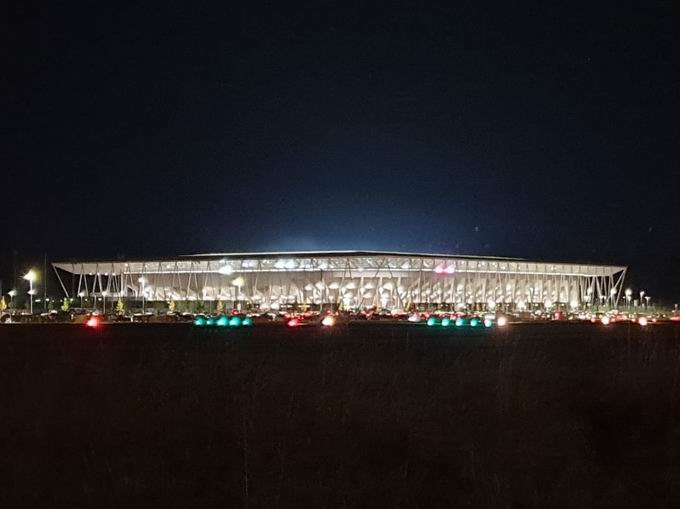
542, 131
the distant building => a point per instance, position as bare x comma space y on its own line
353, 279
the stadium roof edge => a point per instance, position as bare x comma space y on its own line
266, 254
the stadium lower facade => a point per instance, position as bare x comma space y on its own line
347, 279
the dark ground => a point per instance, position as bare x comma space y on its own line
555, 415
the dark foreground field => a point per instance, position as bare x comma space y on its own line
558, 415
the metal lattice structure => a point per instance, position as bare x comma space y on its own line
353, 279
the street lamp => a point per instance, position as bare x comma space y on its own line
629, 296
238, 283
142, 280
104, 294
12, 294
81, 295
31, 276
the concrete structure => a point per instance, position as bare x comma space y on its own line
355, 279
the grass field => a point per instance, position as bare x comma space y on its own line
552, 415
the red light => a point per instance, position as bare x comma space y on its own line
92, 322
293, 322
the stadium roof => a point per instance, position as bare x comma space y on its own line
68, 265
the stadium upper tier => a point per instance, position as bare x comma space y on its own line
355, 279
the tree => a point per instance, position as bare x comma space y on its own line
120, 306
66, 305
171, 306
220, 307
3, 304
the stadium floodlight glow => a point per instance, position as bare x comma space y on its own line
226, 270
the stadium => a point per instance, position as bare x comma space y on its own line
347, 280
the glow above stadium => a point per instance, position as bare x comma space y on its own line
353, 279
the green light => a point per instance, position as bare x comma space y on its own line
222, 321
210, 321
235, 321
446, 322
431, 321
247, 322
474, 322
487, 322
199, 322
459, 322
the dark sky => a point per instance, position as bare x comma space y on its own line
461, 127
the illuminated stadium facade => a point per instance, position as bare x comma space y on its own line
351, 279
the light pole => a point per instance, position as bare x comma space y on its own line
104, 294
238, 283
31, 276
629, 295
81, 295
142, 280
11, 294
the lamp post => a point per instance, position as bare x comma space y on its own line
31, 276
142, 280
12, 294
81, 295
629, 295
104, 294
238, 283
